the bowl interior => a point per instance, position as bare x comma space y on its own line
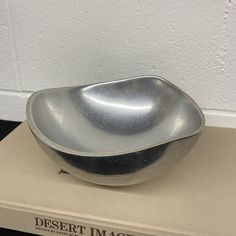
114, 117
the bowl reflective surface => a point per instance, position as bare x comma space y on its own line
115, 133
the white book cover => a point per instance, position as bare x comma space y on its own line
196, 197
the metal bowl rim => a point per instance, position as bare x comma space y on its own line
36, 131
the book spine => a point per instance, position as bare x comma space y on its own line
51, 225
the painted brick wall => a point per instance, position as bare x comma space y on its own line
71, 42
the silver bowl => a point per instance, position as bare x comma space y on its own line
115, 133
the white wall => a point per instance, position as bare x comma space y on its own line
70, 42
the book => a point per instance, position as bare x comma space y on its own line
196, 197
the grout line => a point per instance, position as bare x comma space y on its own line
16, 91
16, 59
13, 92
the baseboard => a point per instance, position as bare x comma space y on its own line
12, 107
220, 118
